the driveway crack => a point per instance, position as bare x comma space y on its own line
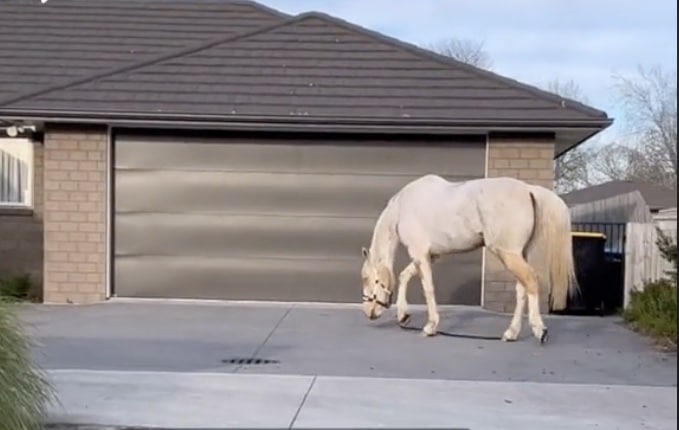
273, 330
301, 405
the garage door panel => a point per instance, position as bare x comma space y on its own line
300, 157
256, 236
332, 280
229, 192
237, 278
259, 221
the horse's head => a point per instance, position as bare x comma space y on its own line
377, 286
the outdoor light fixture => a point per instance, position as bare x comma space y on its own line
15, 130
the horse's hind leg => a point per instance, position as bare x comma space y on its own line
525, 274
512, 333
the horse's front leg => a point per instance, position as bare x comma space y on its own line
404, 278
423, 265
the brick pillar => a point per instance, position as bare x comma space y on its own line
75, 160
531, 161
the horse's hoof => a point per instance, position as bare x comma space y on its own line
544, 337
428, 330
404, 320
508, 337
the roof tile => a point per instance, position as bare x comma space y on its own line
312, 66
66, 38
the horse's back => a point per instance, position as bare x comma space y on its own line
425, 182
432, 190
501, 209
438, 214
499, 186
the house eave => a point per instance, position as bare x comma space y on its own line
299, 123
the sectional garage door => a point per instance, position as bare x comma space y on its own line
262, 219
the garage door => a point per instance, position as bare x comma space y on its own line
262, 219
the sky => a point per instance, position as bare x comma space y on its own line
533, 41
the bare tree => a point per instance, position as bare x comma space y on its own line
572, 169
612, 161
468, 51
647, 152
650, 105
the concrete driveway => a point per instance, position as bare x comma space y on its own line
118, 346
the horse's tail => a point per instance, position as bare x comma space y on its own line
550, 250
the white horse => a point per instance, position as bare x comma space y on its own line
433, 217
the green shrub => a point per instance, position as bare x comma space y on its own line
667, 247
25, 393
653, 311
18, 288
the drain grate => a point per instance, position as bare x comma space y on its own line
248, 361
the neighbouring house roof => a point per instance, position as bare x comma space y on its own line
307, 68
656, 197
42, 45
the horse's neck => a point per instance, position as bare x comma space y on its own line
385, 239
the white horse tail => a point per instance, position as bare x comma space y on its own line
550, 250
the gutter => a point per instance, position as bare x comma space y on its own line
294, 122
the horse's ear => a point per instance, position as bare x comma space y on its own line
365, 252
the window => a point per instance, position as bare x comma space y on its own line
16, 172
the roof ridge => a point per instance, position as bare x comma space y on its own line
252, 3
448, 61
146, 62
263, 8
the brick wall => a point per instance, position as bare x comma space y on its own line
529, 160
75, 214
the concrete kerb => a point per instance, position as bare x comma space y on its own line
66, 426
56, 426
347, 402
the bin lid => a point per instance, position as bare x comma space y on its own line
588, 234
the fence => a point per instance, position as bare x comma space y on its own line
643, 258
15, 172
666, 220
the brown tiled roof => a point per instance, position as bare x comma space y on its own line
45, 44
309, 67
656, 197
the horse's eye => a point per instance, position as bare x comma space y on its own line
377, 281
